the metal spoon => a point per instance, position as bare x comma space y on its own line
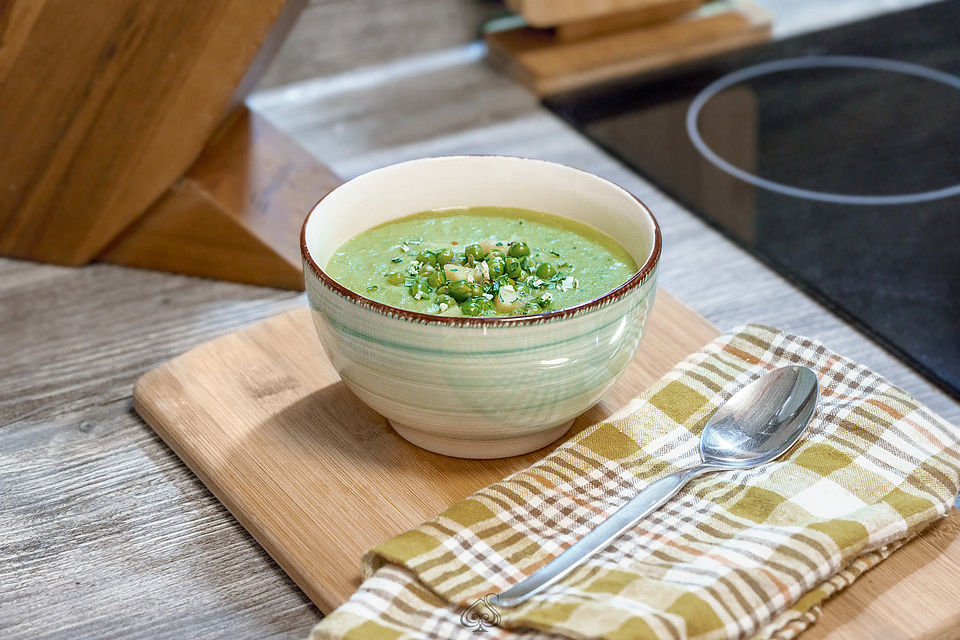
756, 425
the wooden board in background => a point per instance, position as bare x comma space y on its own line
317, 478
548, 64
609, 23
550, 13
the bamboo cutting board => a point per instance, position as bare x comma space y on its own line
317, 478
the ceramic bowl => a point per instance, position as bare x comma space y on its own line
479, 387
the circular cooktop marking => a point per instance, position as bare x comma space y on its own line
814, 62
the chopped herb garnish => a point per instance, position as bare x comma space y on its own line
480, 278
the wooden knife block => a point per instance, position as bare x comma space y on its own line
567, 44
236, 214
124, 138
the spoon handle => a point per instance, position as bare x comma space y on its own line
624, 518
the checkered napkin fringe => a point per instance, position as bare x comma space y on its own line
737, 554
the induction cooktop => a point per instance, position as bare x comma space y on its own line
834, 156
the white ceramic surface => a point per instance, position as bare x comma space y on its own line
479, 387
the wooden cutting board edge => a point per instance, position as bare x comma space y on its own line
270, 543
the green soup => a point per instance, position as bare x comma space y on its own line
481, 261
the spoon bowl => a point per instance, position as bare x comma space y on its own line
761, 421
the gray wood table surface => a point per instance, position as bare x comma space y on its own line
103, 531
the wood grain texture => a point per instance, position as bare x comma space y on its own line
548, 64
106, 103
236, 214
550, 13
608, 23
318, 478
104, 533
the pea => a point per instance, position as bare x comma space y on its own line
443, 290
546, 271
474, 251
436, 279
420, 287
427, 257
496, 253
471, 308
445, 299
476, 289
427, 269
519, 250
497, 267
395, 277
460, 290
460, 258
444, 256
512, 265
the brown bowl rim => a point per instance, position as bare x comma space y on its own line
492, 321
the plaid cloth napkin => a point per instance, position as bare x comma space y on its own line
737, 554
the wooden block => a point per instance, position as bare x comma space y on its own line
547, 64
659, 12
236, 214
265, 422
550, 13
105, 104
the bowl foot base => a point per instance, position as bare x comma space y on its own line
482, 449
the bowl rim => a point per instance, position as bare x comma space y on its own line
637, 279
